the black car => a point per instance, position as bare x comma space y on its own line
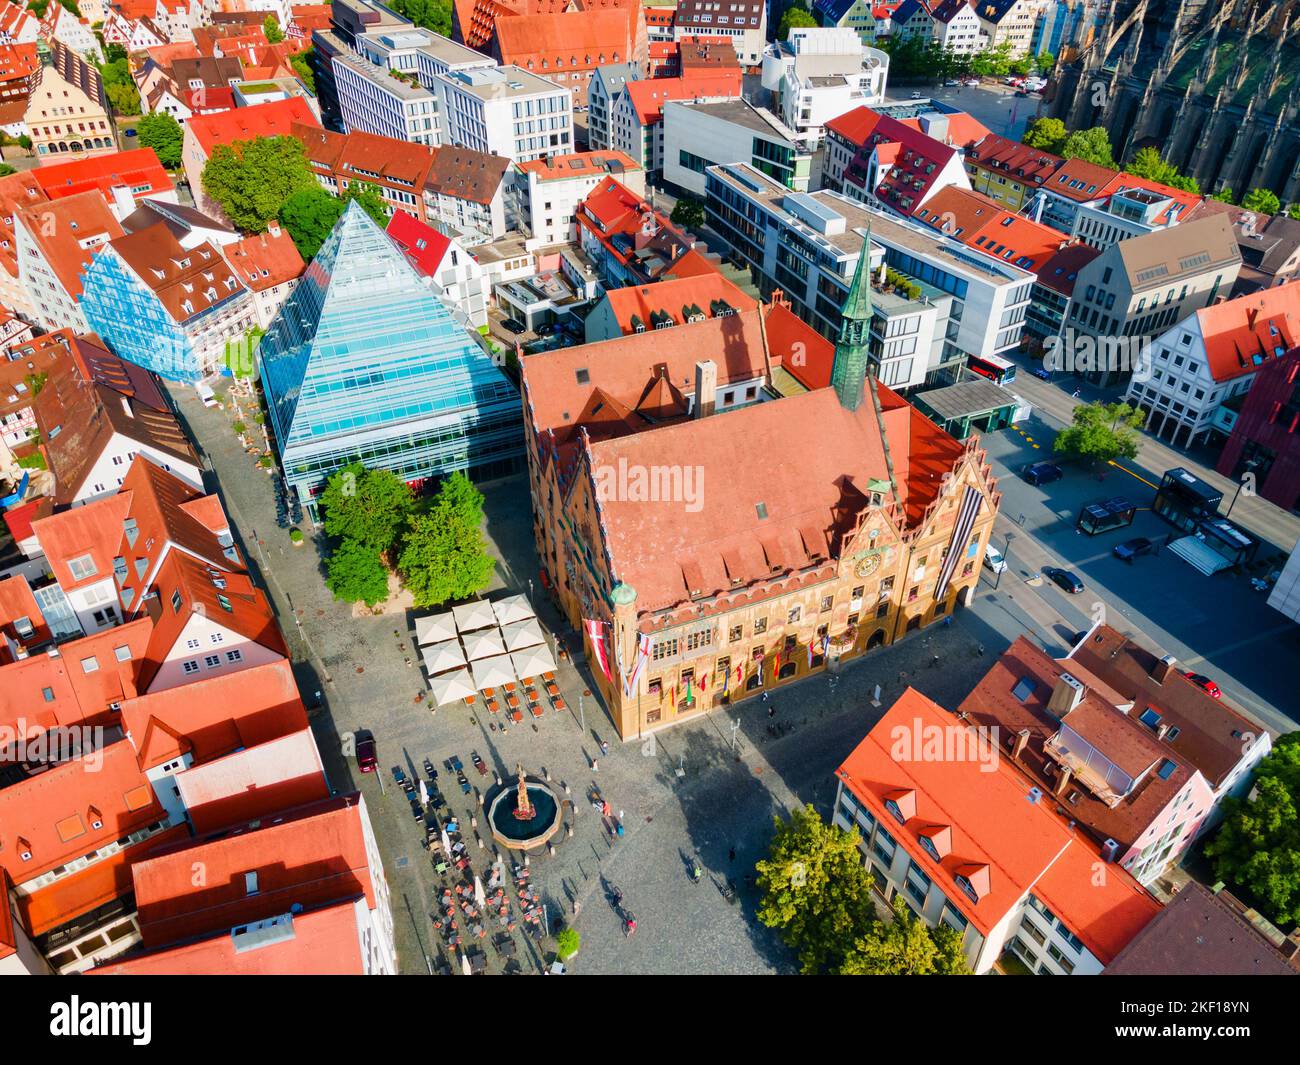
1131, 549
1038, 473
545, 330
513, 325
1063, 579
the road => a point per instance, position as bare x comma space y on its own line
1260, 517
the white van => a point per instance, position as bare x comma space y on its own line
993, 559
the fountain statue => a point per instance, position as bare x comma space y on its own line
523, 805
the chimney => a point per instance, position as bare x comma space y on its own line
273, 228
1252, 315
1161, 731
1067, 694
1021, 742
706, 387
1163, 668
123, 202
1062, 781
1109, 851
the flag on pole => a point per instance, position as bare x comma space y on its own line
642, 654
596, 634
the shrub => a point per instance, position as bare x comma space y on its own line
567, 943
295, 535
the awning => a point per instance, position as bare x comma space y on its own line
440, 657
483, 644
511, 609
451, 687
493, 672
435, 628
522, 634
533, 662
471, 616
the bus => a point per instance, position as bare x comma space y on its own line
997, 369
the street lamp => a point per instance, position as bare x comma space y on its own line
1250, 470
1006, 555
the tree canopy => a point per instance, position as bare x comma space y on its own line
1258, 844
688, 212
1262, 201
164, 135
1092, 145
271, 27
301, 63
796, 14
370, 507
431, 14
310, 214
355, 572
444, 555
906, 947
816, 891
1101, 433
252, 179
1149, 164
1046, 134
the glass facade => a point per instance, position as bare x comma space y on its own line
365, 363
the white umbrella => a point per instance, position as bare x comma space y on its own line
424, 793
451, 687
533, 661
465, 965
493, 672
471, 616
483, 644
446, 844
440, 657
511, 609
526, 633
479, 896
435, 628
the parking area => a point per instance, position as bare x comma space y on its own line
1239, 640
996, 106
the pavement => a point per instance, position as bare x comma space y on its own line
1265, 520
701, 790
996, 106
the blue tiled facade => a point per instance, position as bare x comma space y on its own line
365, 363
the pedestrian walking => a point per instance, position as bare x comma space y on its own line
594, 766
577, 907
604, 748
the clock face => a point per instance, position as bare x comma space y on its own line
867, 566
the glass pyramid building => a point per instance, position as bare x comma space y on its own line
365, 363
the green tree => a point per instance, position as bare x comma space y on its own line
816, 891
252, 179
1262, 201
688, 212
124, 99
1294, 211
301, 63
355, 572
164, 135
795, 15
1045, 62
567, 943
1101, 433
370, 507
992, 62
1258, 845
1149, 164
1224, 195
271, 27
6, 170
1092, 145
1046, 134
444, 555
310, 214
906, 947
431, 14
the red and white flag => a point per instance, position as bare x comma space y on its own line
596, 634
642, 653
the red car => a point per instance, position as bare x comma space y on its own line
1204, 683
367, 756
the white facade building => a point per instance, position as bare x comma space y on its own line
506, 111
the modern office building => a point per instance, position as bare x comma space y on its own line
606, 83
699, 135
506, 110
807, 245
418, 397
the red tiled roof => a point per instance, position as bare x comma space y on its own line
1262, 326
324, 943
61, 229
265, 260
274, 119
187, 281
138, 169
802, 351
241, 709
1061, 270
17, 601
982, 224
648, 97
94, 529
1017, 846
312, 856
676, 298
857, 125
579, 164
423, 245
1013, 159
581, 40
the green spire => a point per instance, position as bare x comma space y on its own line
853, 347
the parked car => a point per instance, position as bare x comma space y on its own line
1040, 473
1204, 683
1042, 373
993, 559
1135, 548
367, 755
513, 325
951, 83
1063, 579
916, 96
972, 83
546, 329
